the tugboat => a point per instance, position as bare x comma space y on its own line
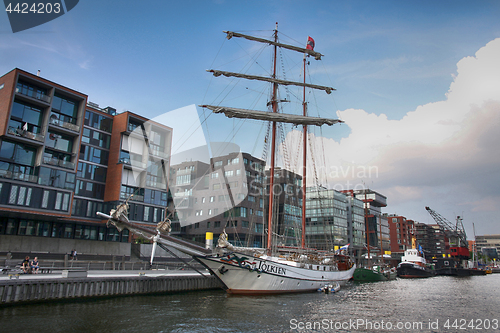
413, 265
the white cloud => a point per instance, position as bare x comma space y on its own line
450, 147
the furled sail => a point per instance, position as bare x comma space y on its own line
271, 116
270, 79
315, 54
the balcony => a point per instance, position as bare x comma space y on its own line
184, 172
18, 176
159, 154
136, 197
131, 163
63, 124
183, 203
124, 160
25, 134
183, 194
58, 163
155, 184
34, 94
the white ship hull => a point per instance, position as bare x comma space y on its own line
243, 274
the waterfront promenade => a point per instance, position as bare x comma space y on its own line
29, 288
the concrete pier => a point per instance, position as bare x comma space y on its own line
22, 289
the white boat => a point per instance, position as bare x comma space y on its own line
274, 269
242, 272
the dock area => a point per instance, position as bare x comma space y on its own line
18, 288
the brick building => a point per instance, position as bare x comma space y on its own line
62, 159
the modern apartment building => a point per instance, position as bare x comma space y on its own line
433, 240
224, 194
327, 218
287, 207
488, 245
356, 224
378, 225
401, 231
62, 159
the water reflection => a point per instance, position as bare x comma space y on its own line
423, 301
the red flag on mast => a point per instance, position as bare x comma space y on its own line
310, 43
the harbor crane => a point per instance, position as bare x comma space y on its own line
456, 234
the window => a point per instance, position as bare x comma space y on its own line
96, 138
98, 173
28, 196
18, 153
13, 194
212, 198
59, 141
146, 213
66, 108
22, 195
95, 120
89, 189
215, 175
58, 201
96, 155
25, 116
45, 199
56, 178
183, 179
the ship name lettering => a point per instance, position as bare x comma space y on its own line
271, 268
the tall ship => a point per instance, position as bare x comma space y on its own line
277, 269
274, 269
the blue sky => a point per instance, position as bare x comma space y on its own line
386, 58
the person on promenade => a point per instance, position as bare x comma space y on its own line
73, 254
26, 265
35, 266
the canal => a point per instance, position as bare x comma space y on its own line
437, 304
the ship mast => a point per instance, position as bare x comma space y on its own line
273, 148
367, 230
304, 159
275, 117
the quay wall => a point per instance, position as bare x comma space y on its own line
19, 291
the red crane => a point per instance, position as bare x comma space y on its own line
459, 246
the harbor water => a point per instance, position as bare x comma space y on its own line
437, 304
